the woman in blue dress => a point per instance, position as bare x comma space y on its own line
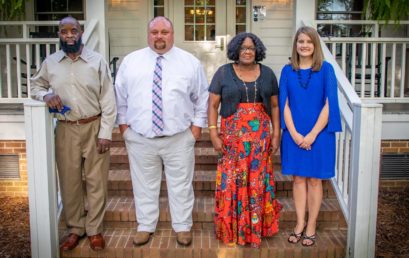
309, 118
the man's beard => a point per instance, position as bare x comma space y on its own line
160, 44
69, 49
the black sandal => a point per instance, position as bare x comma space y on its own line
297, 237
311, 238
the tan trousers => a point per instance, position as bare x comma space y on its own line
76, 152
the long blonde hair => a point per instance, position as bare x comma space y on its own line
317, 56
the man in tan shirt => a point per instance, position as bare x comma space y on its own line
80, 79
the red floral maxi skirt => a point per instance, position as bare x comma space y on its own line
246, 208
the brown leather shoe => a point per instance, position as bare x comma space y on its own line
70, 242
184, 238
141, 237
96, 242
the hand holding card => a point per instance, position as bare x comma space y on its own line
62, 112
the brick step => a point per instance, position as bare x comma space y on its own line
120, 184
329, 244
120, 212
204, 156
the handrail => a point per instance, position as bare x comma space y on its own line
345, 85
357, 163
347, 99
26, 24
90, 28
29, 40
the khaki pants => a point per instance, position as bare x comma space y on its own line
76, 152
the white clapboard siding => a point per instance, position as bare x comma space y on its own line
127, 22
276, 32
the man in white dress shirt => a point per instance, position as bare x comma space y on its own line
162, 95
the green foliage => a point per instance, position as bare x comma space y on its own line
12, 9
387, 10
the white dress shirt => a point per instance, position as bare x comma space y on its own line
184, 91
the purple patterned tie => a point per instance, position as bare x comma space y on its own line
157, 118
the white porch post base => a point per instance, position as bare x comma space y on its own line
365, 156
42, 184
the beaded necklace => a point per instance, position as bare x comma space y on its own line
245, 87
300, 81
255, 91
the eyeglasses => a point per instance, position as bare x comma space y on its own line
245, 49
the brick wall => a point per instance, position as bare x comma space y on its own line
15, 187
395, 146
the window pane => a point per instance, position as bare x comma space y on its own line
200, 32
59, 5
189, 15
210, 14
159, 11
78, 16
189, 2
240, 28
75, 5
158, 2
340, 10
241, 15
200, 17
211, 32
189, 32
43, 6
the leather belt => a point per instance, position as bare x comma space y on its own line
81, 121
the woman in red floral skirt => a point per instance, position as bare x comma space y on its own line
246, 207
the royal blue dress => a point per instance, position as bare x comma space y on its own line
307, 92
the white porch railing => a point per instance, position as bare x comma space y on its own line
357, 164
376, 67
21, 56
20, 59
367, 28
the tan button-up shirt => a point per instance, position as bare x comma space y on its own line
84, 84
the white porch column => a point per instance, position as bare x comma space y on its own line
365, 160
42, 183
304, 11
97, 9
